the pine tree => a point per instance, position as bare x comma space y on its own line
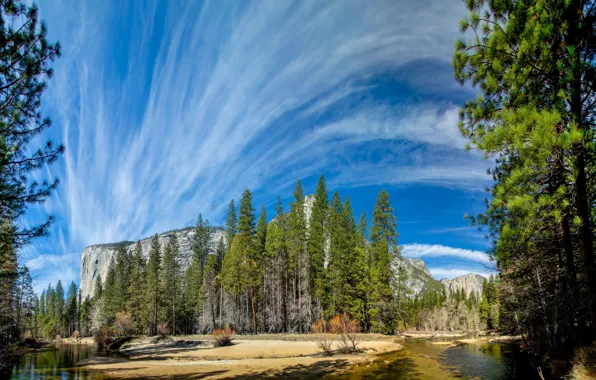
71, 309
317, 242
353, 266
59, 293
110, 296
261, 235
97, 288
537, 119
153, 296
201, 240
246, 233
209, 291
25, 59
231, 224
26, 56
137, 289
276, 271
170, 282
363, 251
383, 237
122, 283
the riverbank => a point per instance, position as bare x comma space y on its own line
294, 356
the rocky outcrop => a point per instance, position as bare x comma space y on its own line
96, 259
469, 283
418, 278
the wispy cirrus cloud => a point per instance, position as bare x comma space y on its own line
170, 109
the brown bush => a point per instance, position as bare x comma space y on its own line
320, 327
223, 337
102, 336
124, 323
348, 330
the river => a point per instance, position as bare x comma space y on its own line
420, 360
58, 364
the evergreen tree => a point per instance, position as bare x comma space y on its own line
538, 120
317, 242
110, 297
122, 283
25, 59
59, 306
201, 240
383, 237
154, 296
231, 224
261, 235
170, 281
97, 288
71, 310
137, 289
25, 56
299, 262
276, 273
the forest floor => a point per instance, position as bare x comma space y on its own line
250, 357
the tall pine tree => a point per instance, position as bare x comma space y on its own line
153, 291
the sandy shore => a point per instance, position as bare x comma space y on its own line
250, 357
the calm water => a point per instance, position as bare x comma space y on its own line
424, 360
60, 364
420, 360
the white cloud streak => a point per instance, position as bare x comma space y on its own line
435, 250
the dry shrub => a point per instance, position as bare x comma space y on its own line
584, 364
76, 335
163, 329
324, 342
223, 337
101, 336
348, 330
124, 323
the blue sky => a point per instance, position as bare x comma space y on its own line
168, 109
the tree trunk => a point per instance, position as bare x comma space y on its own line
586, 246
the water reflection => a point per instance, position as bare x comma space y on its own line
59, 364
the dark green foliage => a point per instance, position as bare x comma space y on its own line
383, 249
25, 58
153, 291
137, 289
231, 226
170, 282
534, 64
317, 240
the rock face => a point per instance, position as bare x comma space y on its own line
418, 277
469, 283
96, 259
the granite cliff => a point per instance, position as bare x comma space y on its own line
96, 259
469, 283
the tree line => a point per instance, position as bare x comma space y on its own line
279, 276
310, 264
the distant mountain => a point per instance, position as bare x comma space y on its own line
469, 282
